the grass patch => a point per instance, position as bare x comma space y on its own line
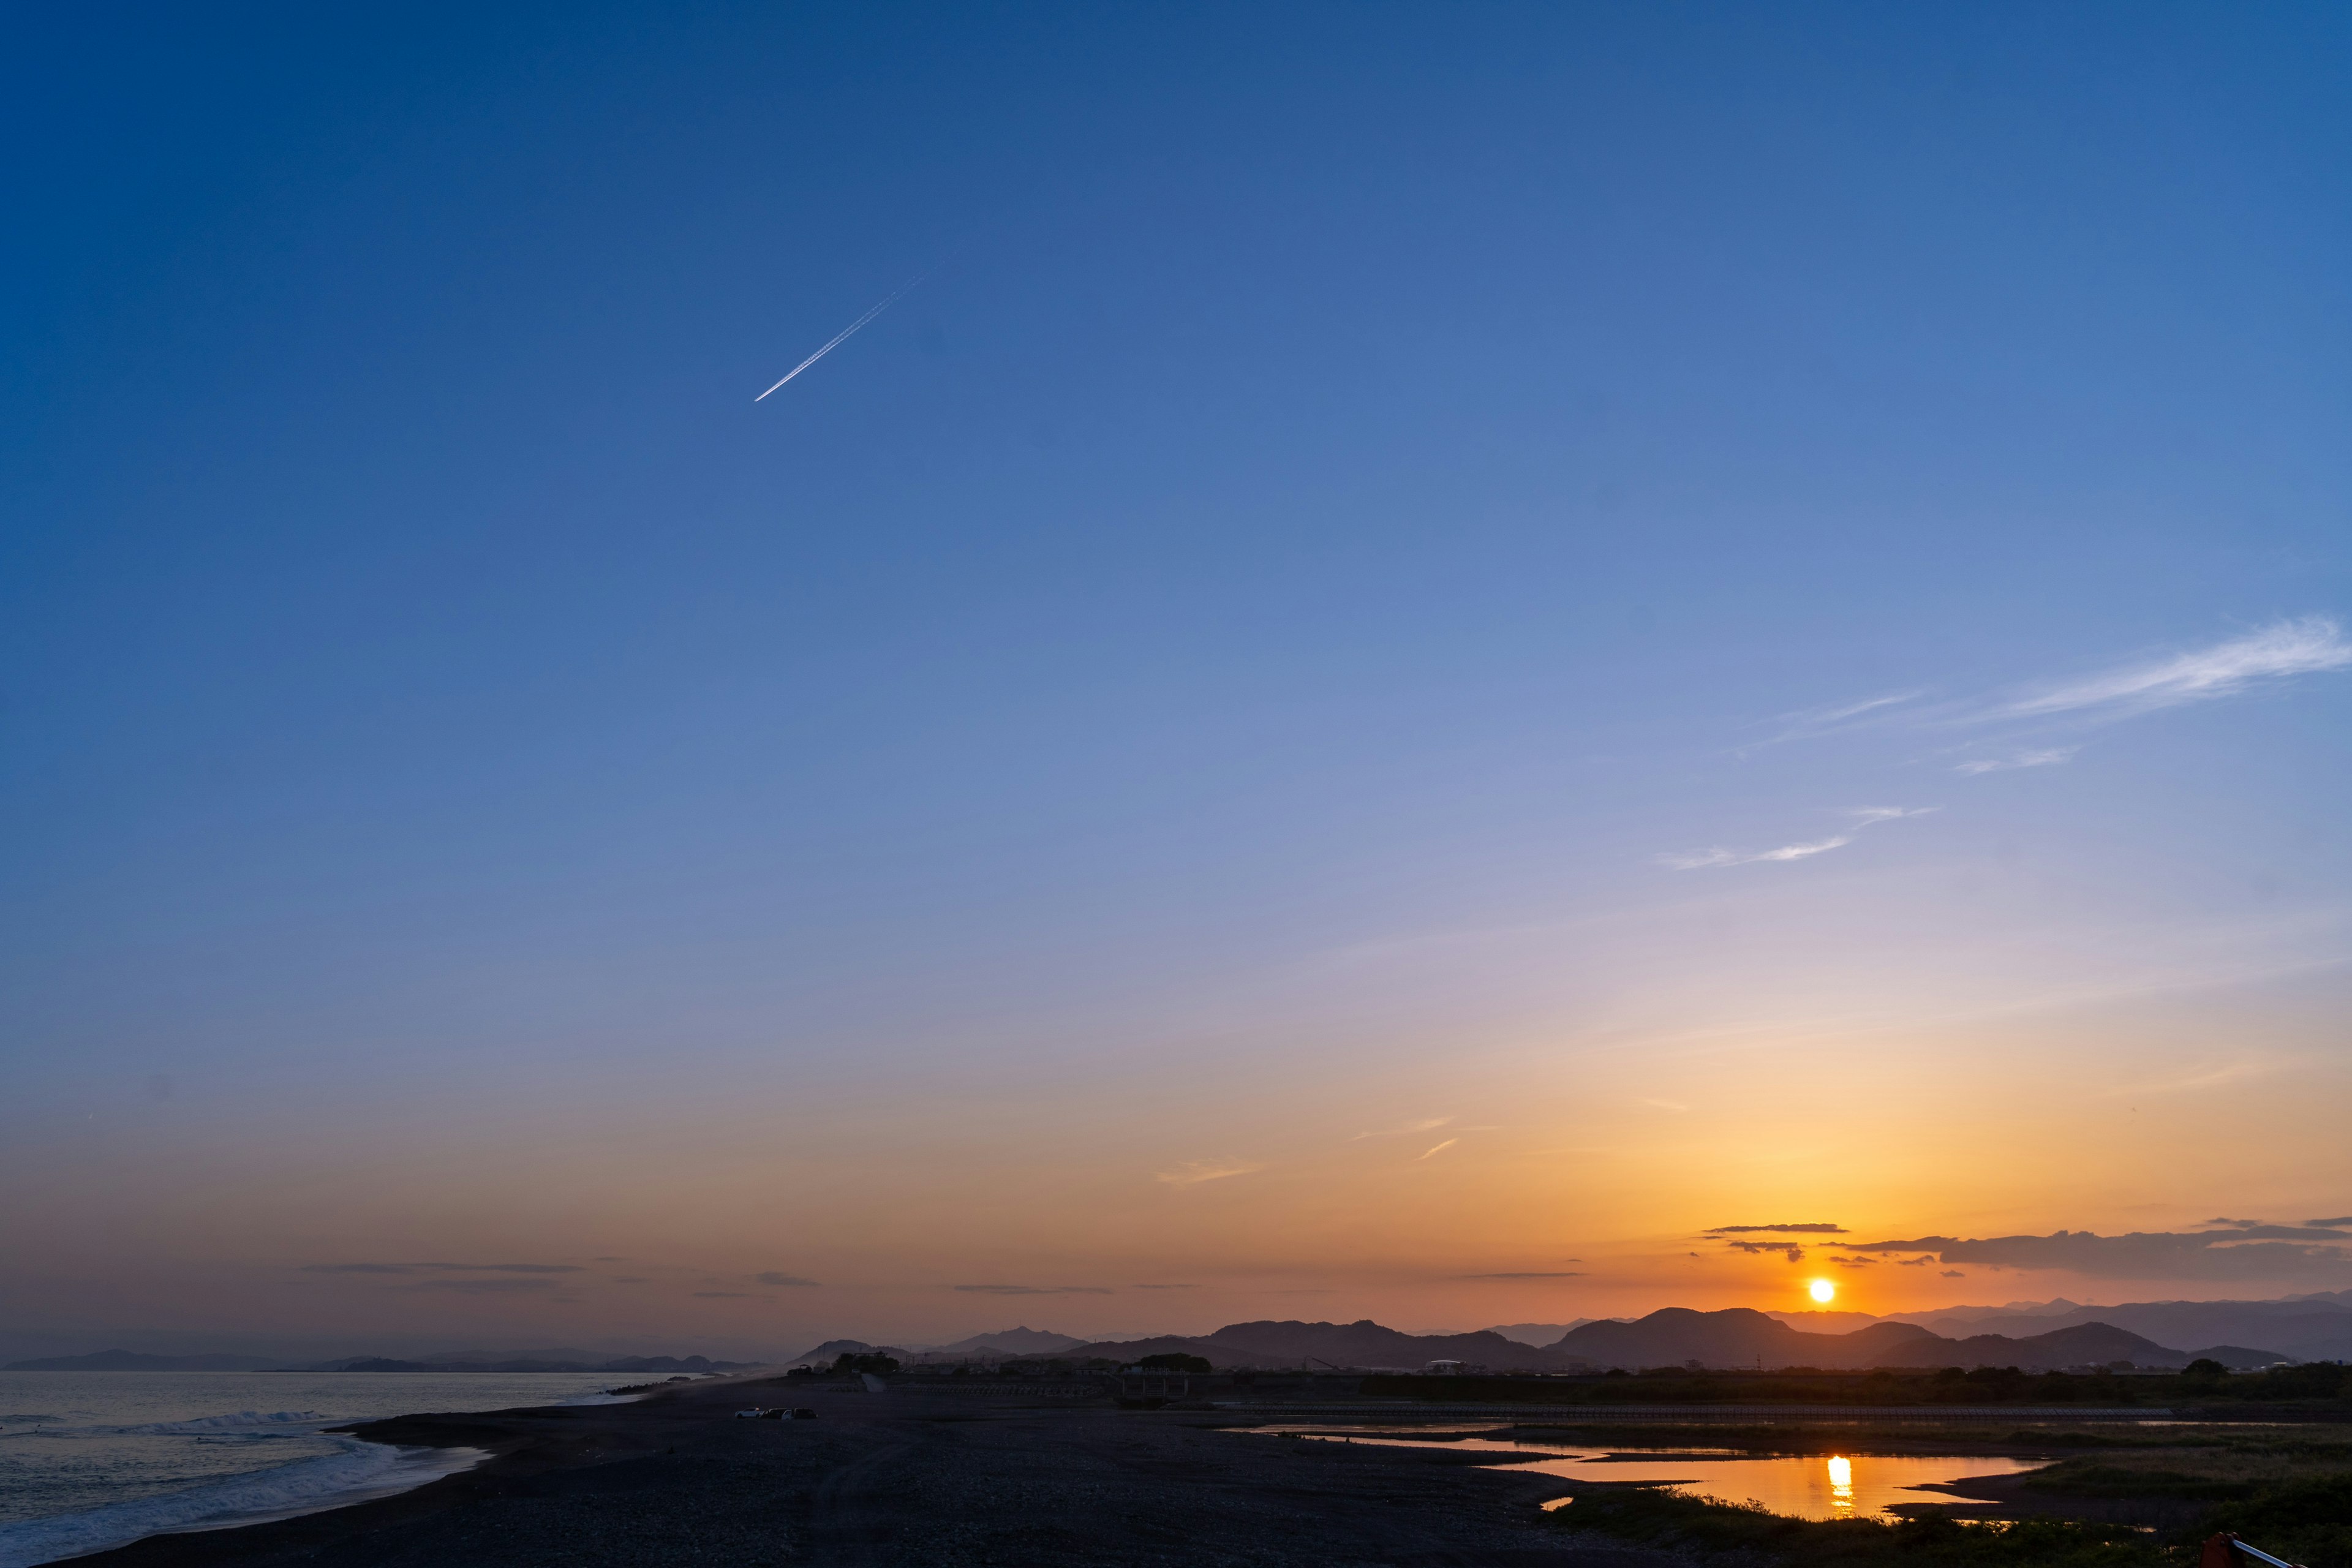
2123, 1480
1664, 1519
2307, 1520
2300, 1516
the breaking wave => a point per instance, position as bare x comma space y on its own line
355, 1473
241, 1421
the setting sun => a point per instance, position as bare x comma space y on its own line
1821, 1290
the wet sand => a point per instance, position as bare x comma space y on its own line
908, 1477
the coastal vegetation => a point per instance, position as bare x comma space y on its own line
1655, 1517
2287, 1490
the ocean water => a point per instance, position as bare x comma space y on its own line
92, 1459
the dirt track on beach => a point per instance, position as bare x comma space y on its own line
907, 1478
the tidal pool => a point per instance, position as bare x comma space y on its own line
1813, 1485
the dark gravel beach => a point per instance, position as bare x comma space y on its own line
907, 1478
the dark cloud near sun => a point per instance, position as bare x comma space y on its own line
1034, 1289
1794, 1253
441, 1268
2250, 1251
1810, 1227
486, 1287
771, 1278
2263, 1230
1550, 1274
359, 1269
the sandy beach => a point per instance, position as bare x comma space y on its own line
906, 1477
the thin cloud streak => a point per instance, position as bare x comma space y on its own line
2303, 645
1192, 1172
2046, 759
1429, 1125
1807, 723
1700, 859
2209, 1077
441, 1268
2309, 645
1439, 1149
1034, 1289
1863, 816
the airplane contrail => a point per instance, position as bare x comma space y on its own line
843, 336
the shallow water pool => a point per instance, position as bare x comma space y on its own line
1813, 1485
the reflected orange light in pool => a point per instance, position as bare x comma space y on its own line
1841, 1483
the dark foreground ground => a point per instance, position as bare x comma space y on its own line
907, 1478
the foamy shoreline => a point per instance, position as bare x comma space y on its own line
360, 1472
357, 1470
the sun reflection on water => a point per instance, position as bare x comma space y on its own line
1842, 1484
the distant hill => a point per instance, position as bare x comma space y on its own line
568, 1355
1537, 1334
1363, 1344
1728, 1339
2057, 1307
2308, 1329
132, 1360
1832, 1322
1738, 1337
1735, 1337
2075, 1345
831, 1348
1225, 1358
1014, 1342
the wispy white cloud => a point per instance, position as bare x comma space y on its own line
2303, 645
2044, 759
1192, 1172
1861, 817
1441, 1149
1699, 859
2208, 1077
1430, 1124
2306, 646
1808, 722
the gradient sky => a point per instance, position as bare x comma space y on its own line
1446, 647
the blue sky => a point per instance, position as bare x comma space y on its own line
1310, 607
